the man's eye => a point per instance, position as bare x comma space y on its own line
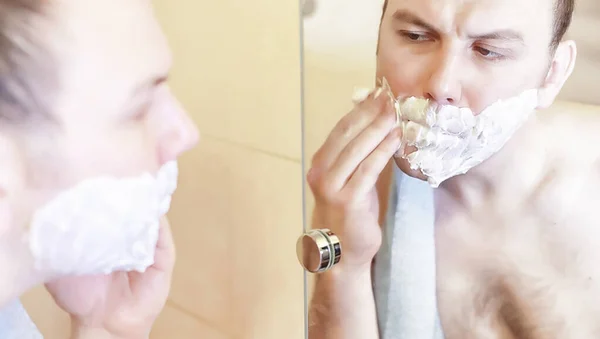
488, 54
414, 36
142, 112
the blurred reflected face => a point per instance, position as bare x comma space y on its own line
115, 115
116, 111
465, 53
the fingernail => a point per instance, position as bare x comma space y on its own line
377, 93
360, 95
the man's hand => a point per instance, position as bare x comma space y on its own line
120, 305
342, 178
344, 173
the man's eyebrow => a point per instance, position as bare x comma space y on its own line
504, 35
149, 84
406, 16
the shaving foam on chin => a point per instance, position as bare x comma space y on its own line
102, 225
451, 140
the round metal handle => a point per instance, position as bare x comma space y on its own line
318, 250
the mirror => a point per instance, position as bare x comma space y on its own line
433, 252
238, 208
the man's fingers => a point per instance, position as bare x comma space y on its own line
360, 148
164, 258
348, 128
365, 177
320, 178
157, 278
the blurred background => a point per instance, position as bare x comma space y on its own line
238, 209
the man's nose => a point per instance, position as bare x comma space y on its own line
443, 83
187, 134
180, 133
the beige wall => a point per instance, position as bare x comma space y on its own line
238, 210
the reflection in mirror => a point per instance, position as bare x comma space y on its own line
233, 71
451, 156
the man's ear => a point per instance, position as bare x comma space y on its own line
560, 70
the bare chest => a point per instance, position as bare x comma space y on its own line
523, 266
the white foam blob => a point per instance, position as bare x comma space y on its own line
451, 140
102, 224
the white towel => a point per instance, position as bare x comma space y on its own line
15, 323
404, 274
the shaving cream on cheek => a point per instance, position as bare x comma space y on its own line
450, 140
102, 225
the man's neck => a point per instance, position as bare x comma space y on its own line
513, 172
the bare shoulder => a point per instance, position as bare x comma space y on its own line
570, 133
573, 123
570, 175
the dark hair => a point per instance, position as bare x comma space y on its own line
563, 14
25, 64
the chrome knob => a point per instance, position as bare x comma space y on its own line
318, 250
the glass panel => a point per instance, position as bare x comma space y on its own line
462, 223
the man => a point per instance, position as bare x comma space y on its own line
83, 93
515, 246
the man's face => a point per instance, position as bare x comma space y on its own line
467, 53
116, 115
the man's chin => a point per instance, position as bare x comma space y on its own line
404, 166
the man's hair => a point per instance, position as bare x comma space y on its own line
26, 75
563, 14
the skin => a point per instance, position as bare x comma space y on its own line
513, 235
115, 115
